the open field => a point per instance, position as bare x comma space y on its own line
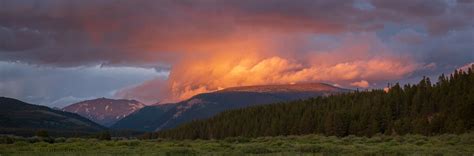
285, 145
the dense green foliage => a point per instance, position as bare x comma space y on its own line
42, 133
104, 136
290, 145
425, 108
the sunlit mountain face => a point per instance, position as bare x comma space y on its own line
60, 52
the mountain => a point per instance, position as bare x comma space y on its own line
202, 106
105, 111
445, 107
21, 118
146, 119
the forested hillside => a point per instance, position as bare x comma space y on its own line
446, 106
206, 105
20, 118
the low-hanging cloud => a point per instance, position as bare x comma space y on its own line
369, 60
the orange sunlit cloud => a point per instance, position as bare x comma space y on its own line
256, 61
206, 45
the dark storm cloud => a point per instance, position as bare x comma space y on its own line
143, 32
412, 8
59, 87
172, 36
20, 39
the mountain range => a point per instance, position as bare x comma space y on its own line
105, 111
22, 118
202, 106
96, 115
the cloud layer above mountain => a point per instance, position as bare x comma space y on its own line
207, 45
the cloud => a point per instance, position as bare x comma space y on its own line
68, 100
368, 60
144, 32
58, 87
149, 92
361, 84
207, 45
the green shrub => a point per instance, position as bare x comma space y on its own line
128, 143
60, 140
104, 136
255, 149
34, 140
42, 133
180, 151
309, 149
420, 142
21, 143
299, 145
72, 140
6, 140
239, 139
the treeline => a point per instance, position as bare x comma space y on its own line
54, 133
446, 106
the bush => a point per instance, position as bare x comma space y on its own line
147, 136
42, 133
21, 143
180, 151
72, 140
310, 149
128, 143
255, 150
6, 140
60, 140
104, 136
34, 139
237, 139
48, 140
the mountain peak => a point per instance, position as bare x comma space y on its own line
105, 111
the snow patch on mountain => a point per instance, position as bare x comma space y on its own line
105, 111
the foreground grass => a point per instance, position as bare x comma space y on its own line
287, 145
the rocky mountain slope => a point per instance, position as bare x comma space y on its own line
105, 111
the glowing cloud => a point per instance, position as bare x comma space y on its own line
210, 45
352, 63
362, 84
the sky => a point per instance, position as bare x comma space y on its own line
57, 52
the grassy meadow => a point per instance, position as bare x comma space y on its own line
447, 144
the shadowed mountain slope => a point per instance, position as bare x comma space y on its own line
18, 117
202, 106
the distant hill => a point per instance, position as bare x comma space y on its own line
17, 117
425, 108
105, 111
202, 106
146, 119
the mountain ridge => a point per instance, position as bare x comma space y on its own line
105, 111
206, 105
17, 117
425, 108
282, 88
